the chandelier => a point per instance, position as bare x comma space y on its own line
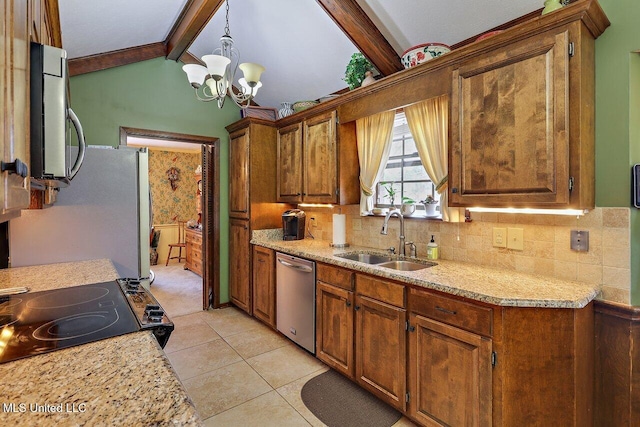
215, 81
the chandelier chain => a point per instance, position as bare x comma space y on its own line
226, 27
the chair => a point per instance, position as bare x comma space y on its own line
181, 244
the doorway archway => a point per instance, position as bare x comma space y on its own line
210, 152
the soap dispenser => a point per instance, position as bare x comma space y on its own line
432, 249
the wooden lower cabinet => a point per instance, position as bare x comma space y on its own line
450, 361
381, 349
449, 375
334, 327
240, 264
264, 285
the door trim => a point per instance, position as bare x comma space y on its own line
211, 275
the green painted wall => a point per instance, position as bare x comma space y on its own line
617, 104
155, 95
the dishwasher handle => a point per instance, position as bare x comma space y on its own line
303, 268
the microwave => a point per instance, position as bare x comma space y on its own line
52, 119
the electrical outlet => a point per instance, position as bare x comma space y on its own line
314, 223
515, 239
580, 240
499, 237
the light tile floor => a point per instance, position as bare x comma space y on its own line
239, 372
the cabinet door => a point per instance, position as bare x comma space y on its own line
334, 327
510, 126
449, 375
264, 285
239, 174
14, 104
239, 264
381, 350
290, 164
320, 166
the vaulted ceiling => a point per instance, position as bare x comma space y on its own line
304, 45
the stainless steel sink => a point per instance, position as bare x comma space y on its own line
405, 265
366, 258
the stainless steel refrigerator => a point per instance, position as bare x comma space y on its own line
104, 213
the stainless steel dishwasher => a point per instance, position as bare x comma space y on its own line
296, 300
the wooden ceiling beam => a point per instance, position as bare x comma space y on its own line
102, 61
357, 25
193, 18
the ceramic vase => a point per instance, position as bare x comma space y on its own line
368, 79
551, 5
286, 110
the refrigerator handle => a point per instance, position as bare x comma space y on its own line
81, 143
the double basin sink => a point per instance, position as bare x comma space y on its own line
388, 261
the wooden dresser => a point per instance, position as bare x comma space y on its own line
193, 239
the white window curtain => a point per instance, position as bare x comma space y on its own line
429, 123
374, 135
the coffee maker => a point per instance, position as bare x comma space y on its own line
293, 224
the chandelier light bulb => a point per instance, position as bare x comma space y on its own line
219, 74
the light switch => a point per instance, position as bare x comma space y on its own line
515, 239
499, 237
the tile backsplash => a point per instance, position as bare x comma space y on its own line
546, 252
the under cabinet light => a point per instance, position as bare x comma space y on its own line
574, 212
315, 205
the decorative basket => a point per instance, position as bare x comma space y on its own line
266, 113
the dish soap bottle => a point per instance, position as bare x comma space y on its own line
432, 249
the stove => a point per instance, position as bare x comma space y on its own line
40, 322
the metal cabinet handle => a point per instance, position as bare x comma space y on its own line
18, 167
296, 267
444, 310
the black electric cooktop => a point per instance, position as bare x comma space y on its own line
40, 322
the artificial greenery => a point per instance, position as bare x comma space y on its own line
429, 200
408, 200
391, 192
358, 65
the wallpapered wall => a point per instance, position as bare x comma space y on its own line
169, 205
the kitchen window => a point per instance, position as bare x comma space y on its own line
404, 173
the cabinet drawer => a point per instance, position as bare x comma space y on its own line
336, 276
197, 266
197, 255
458, 313
381, 290
194, 238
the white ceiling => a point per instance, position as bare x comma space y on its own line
305, 54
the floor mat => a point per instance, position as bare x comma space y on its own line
338, 402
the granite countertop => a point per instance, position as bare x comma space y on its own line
486, 284
97, 384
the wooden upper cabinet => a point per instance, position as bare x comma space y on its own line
290, 163
510, 125
239, 174
521, 124
14, 106
318, 161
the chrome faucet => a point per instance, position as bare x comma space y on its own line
385, 225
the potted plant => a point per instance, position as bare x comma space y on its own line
430, 205
408, 206
391, 192
356, 70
